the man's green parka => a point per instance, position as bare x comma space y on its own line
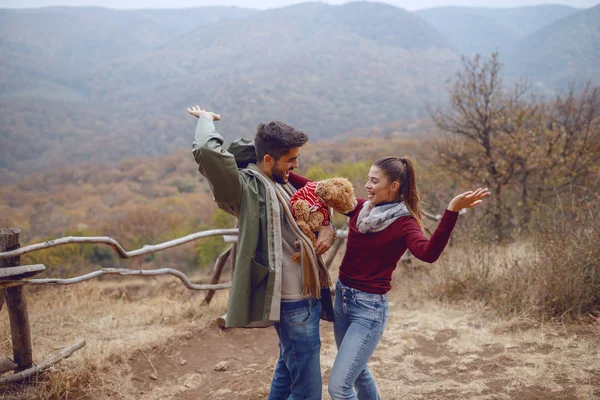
253, 297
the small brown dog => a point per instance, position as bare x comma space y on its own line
310, 205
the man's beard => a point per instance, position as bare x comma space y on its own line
278, 175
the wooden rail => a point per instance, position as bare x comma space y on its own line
115, 245
116, 271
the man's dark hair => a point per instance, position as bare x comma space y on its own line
276, 139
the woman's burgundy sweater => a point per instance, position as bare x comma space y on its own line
371, 258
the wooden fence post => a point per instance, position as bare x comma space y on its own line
333, 252
219, 265
16, 304
233, 257
334, 249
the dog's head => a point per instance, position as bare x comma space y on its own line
337, 193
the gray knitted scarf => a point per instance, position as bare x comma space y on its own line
376, 219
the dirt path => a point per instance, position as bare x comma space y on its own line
214, 364
428, 351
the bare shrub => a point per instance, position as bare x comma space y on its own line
561, 276
553, 271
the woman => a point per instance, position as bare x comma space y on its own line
382, 227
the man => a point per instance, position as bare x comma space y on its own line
269, 288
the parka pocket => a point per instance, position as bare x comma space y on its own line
259, 274
259, 282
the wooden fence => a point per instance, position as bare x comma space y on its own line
14, 276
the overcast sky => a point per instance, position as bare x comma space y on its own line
262, 4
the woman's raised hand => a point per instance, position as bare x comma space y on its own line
468, 199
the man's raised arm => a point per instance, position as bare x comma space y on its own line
215, 163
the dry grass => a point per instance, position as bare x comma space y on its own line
117, 319
552, 271
433, 350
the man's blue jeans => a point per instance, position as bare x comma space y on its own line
298, 372
360, 319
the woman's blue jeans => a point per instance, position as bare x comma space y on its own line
298, 371
360, 319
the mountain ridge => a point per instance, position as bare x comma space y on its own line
485, 30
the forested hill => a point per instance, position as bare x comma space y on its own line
100, 85
567, 50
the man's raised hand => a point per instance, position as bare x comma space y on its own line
198, 112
